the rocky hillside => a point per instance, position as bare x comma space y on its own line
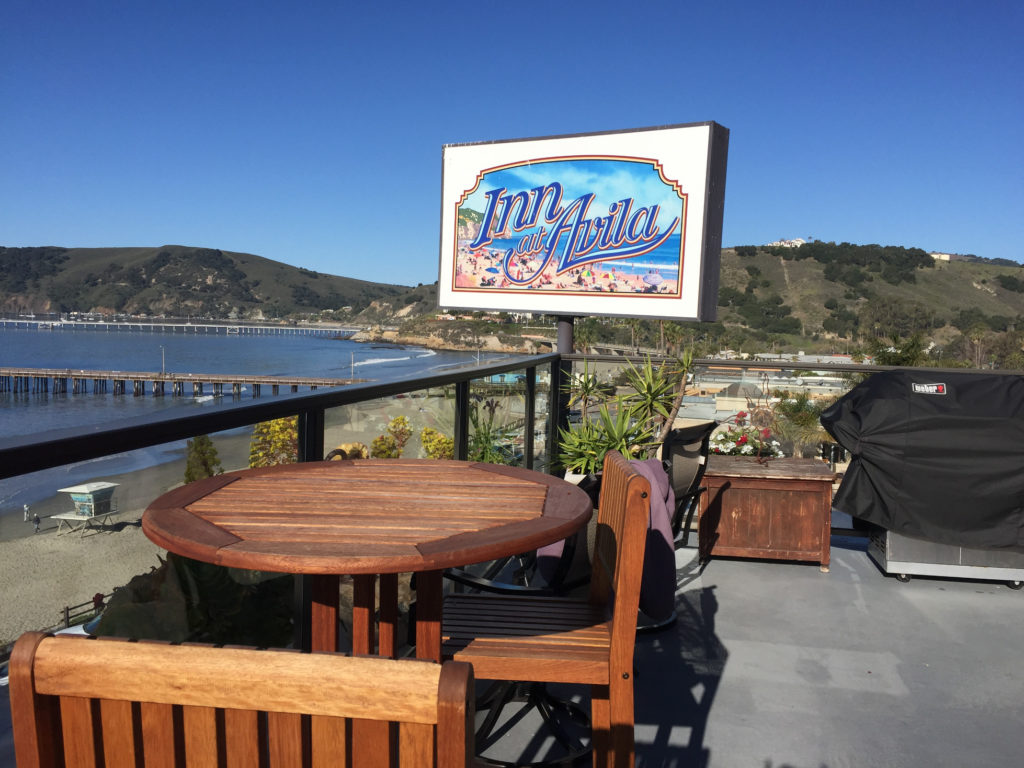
810, 297
842, 290
174, 280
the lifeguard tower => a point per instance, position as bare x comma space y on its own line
94, 503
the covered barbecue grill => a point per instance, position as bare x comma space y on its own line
938, 465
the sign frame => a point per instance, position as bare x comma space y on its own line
525, 209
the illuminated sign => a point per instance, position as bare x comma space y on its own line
600, 224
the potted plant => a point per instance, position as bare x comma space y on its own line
634, 422
583, 447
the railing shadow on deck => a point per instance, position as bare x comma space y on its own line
678, 671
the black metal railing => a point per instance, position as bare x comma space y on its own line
546, 374
24, 454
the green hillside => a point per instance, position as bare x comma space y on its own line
888, 291
173, 280
818, 297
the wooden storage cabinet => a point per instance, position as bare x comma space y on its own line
781, 509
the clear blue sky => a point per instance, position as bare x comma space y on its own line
311, 133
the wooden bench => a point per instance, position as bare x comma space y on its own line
79, 701
563, 640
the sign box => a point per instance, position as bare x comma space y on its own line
625, 223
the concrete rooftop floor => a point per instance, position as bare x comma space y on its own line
777, 665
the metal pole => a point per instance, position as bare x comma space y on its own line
461, 431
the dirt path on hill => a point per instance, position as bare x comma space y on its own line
785, 272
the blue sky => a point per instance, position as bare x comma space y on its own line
311, 133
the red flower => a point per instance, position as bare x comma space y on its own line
742, 440
741, 415
766, 434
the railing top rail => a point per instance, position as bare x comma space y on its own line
22, 454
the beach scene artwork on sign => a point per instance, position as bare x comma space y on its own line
562, 226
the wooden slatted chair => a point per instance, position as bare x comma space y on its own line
85, 702
565, 640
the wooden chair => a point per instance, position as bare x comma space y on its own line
564, 640
95, 702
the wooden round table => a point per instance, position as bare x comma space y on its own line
371, 518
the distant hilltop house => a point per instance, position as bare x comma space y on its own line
943, 256
787, 243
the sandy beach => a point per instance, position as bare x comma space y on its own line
41, 573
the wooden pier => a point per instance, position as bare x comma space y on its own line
69, 381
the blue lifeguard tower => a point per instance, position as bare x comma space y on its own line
93, 502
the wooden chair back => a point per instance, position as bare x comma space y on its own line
96, 702
623, 515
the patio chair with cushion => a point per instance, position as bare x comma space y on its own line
78, 701
565, 640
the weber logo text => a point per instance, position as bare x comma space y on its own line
929, 389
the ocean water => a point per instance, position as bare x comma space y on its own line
27, 413
31, 413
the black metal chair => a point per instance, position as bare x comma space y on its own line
685, 456
548, 571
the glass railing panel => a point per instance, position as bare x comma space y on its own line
394, 426
497, 419
90, 545
785, 400
497, 422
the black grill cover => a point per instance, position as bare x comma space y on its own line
938, 456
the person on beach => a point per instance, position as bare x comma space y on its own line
26, 513
35, 522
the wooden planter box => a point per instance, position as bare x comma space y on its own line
781, 509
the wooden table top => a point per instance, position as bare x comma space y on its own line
787, 468
365, 516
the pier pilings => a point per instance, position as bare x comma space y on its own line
63, 381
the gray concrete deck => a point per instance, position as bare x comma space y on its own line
777, 665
